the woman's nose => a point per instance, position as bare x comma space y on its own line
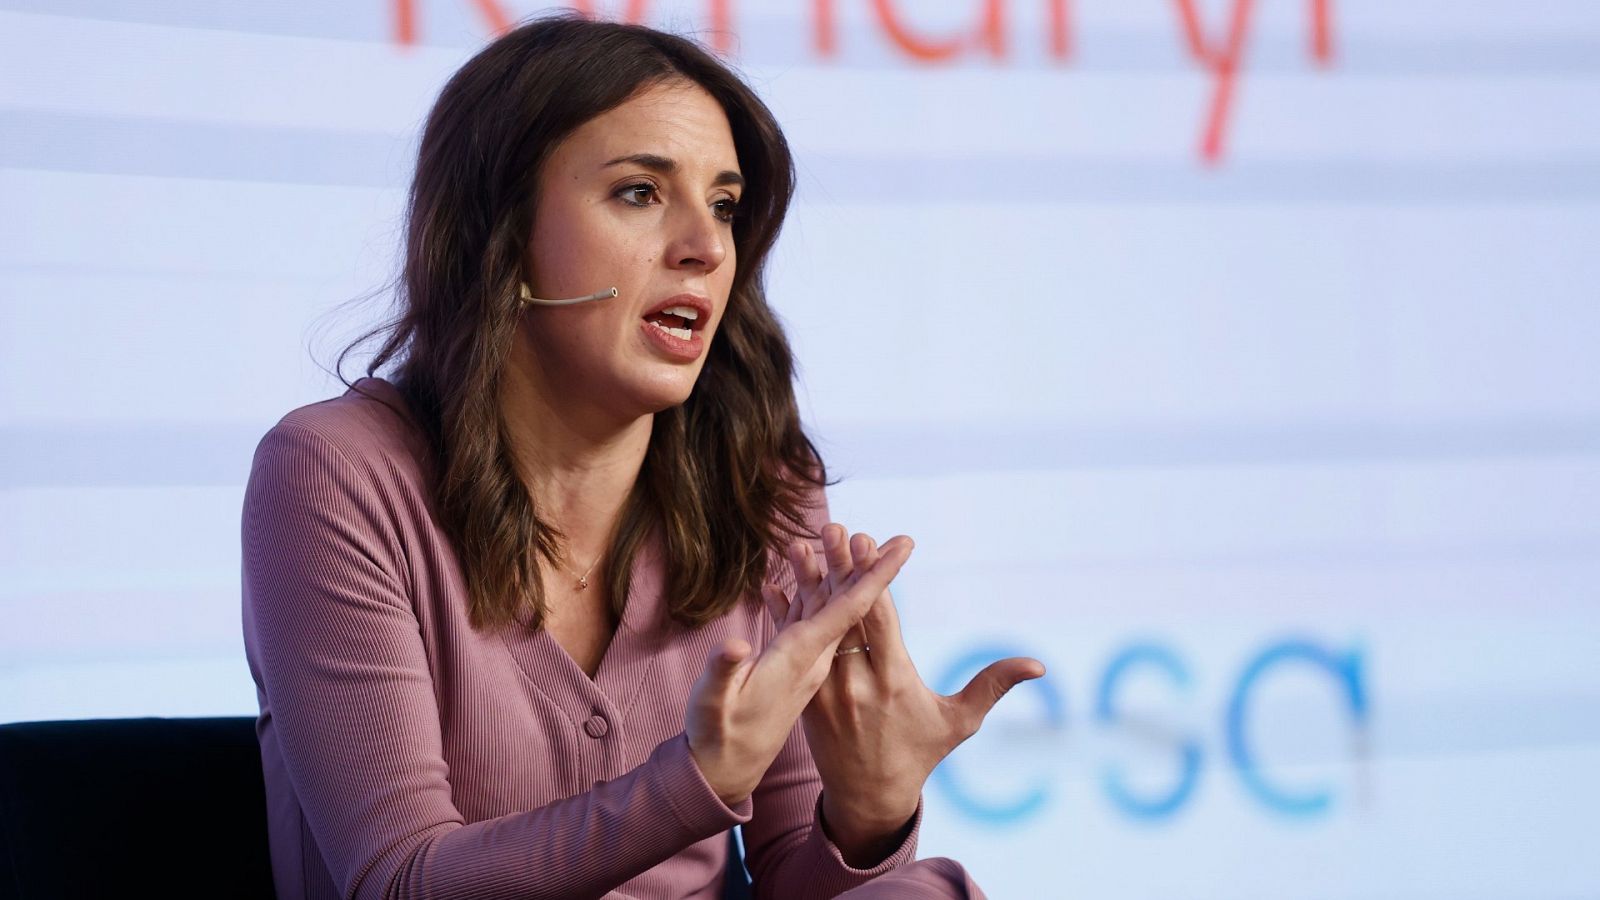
699, 240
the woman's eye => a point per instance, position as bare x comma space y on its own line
727, 209
637, 194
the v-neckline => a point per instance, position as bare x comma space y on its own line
624, 665
629, 655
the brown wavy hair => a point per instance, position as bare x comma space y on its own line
727, 474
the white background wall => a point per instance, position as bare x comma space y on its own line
1324, 401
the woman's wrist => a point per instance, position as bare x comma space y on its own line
867, 836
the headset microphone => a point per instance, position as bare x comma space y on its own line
528, 297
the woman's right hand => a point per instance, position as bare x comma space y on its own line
743, 708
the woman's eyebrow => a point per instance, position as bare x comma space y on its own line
665, 166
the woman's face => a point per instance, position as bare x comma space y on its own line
641, 198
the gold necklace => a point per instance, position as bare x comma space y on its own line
582, 583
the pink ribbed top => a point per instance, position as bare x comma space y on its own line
407, 755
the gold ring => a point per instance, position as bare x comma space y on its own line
849, 650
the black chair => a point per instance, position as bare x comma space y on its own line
117, 807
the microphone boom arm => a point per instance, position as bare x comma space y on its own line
528, 298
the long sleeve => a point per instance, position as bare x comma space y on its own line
334, 643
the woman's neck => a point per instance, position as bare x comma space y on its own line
579, 462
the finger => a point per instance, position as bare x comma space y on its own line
777, 605
725, 667
811, 565
847, 608
863, 554
987, 687
880, 627
809, 595
811, 571
796, 557
836, 550
799, 555
861, 547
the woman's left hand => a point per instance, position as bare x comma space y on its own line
875, 730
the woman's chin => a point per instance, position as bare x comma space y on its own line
658, 395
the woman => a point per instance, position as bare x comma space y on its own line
505, 613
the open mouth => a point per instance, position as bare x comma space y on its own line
679, 321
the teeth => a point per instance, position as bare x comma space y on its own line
687, 312
682, 334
